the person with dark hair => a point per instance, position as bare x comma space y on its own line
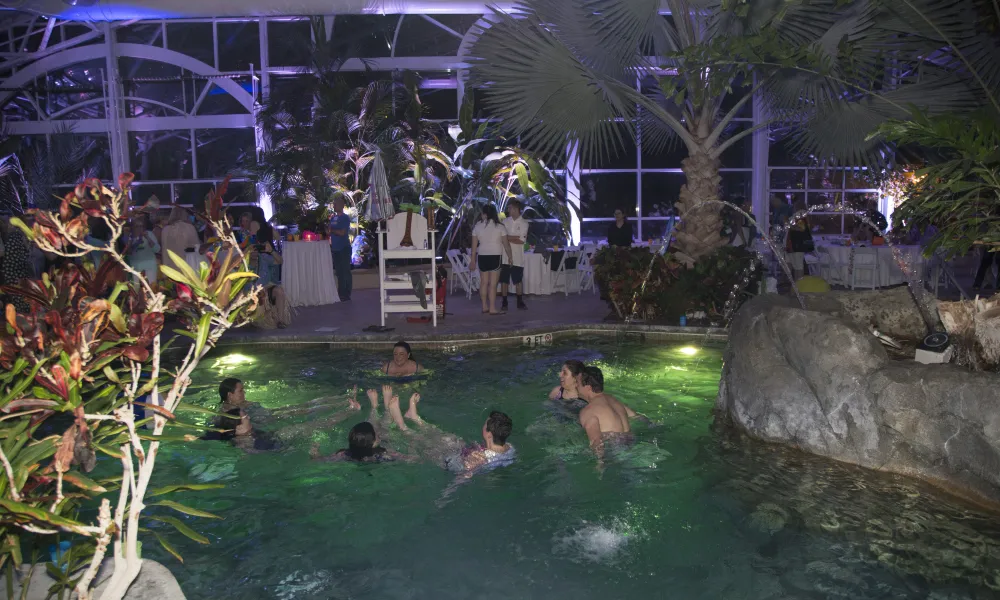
362, 446
489, 243
512, 271
564, 400
447, 450
237, 410
605, 418
402, 363
620, 232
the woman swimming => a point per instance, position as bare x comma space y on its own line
565, 402
402, 363
362, 446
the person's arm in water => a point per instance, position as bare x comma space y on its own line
555, 393
337, 456
352, 403
636, 415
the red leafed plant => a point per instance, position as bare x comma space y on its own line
89, 349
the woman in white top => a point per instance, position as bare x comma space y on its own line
179, 237
489, 243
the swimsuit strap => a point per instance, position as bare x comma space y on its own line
560, 393
386, 368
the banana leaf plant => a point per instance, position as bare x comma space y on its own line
79, 363
491, 169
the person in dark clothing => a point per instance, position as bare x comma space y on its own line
620, 232
984, 267
340, 246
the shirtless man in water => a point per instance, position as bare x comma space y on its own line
605, 419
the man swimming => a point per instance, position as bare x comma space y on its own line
605, 418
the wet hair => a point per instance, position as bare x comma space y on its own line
575, 366
361, 441
593, 377
404, 346
228, 386
499, 425
490, 212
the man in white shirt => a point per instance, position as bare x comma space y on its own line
512, 271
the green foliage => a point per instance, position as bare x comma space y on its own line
76, 364
656, 287
958, 191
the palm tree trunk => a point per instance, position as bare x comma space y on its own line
699, 232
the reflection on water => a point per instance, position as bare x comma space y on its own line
684, 513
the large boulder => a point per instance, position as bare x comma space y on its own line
817, 380
155, 582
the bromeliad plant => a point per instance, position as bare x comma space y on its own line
79, 364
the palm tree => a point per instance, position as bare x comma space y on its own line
571, 71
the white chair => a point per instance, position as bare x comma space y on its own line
563, 265
865, 263
586, 270
831, 270
811, 260
460, 272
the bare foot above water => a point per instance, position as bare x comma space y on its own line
411, 413
394, 412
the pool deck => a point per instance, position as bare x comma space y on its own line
344, 323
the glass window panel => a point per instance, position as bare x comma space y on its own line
595, 231
419, 37
796, 201
740, 154
147, 34
545, 233
439, 95
222, 151
367, 36
861, 201
81, 156
159, 155
141, 193
669, 157
193, 194
659, 193
239, 46
781, 154
831, 179
479, 98
291, 89
621, 157
787, 179
192, 39
736, 185
654, 229
218, 101
826, 224
72, 31
825, 200
288, 43
857, 179
601, 194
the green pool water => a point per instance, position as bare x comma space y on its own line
687, 513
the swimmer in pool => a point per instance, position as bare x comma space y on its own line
402, 363
583, 401
447, 450
362, 446
605, 418
245, 414
564, 401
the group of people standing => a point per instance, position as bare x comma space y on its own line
498, 255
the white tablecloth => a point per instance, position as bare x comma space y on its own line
539, 278
194, 260
307, 273
889, 259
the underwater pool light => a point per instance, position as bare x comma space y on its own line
233, 360
688, 351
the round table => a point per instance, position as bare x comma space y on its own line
537, 275
889, 259
307, 273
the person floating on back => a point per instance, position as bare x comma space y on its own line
605, 418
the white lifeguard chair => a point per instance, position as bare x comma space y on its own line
393, 246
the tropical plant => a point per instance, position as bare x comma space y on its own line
958, 191
77, 367
490, 168
556, 73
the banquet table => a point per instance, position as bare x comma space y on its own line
307, 273
889, 259
539, 278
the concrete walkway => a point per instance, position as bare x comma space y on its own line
346, 321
